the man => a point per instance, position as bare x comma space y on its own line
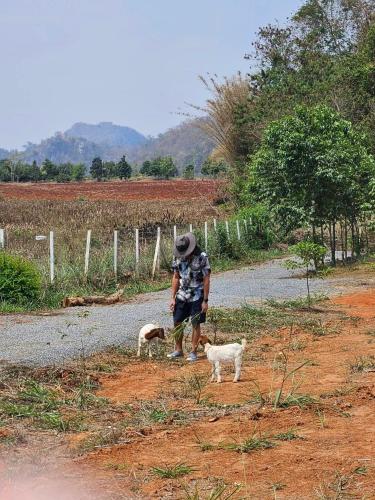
190, 289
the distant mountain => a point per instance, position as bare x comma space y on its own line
107, 133
187, 143
4, 153
61, 148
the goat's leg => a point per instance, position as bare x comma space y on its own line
213, 372
139, 349
237, 364
217, 370
149, 350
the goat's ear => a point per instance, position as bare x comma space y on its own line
203, 340
152, 333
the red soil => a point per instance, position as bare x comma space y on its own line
333, 457
335, 443
113, 190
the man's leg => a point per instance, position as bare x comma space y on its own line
179, 336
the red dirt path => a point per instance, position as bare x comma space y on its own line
113, 190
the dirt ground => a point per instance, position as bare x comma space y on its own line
177, 189
318, 442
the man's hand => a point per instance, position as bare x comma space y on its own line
172, 305
204, 307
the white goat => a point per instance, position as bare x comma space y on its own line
217, 354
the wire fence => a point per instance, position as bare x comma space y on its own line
124, 252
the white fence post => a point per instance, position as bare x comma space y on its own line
137, 250
205, 236
227, 228
174, 233
245, 224
156, 254
51, 256
87, 254
191, 228
115, 251
215, 225
238, 230
2, 238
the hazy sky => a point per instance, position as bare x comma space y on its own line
132, 62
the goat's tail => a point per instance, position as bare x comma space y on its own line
243, 342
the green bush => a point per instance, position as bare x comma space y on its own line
20, 280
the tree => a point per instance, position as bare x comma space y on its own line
188, 172
164, 167
124, 170
78, 172
96, 170
212, 168
5, 170
109, 169
49, 170
64, 172
146, 168
308, 253
313, 167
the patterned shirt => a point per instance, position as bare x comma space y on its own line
191, 274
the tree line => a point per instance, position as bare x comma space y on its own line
160, 167
298, 131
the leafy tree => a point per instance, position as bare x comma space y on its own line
49, 170
188, 172
165, 167
109, 169
146, 168
162, 167
5, 170
97, 170
313, 164
78, 172
212, 168
64, 172
124, 170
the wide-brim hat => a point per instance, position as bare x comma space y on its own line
184, 245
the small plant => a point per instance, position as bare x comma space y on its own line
251, 444
193, 386
220, 492
289, 435
300, 400
363, 364
362, 470
290, 399
307, 252
321, 418
173, 471
277, 487
20, 280
336, 490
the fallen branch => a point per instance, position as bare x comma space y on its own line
92, 299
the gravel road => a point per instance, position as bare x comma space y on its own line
53, 338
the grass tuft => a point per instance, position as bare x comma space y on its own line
173, 471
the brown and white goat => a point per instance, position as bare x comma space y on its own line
147, 335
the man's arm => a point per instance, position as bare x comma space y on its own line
175, 287
206, 291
